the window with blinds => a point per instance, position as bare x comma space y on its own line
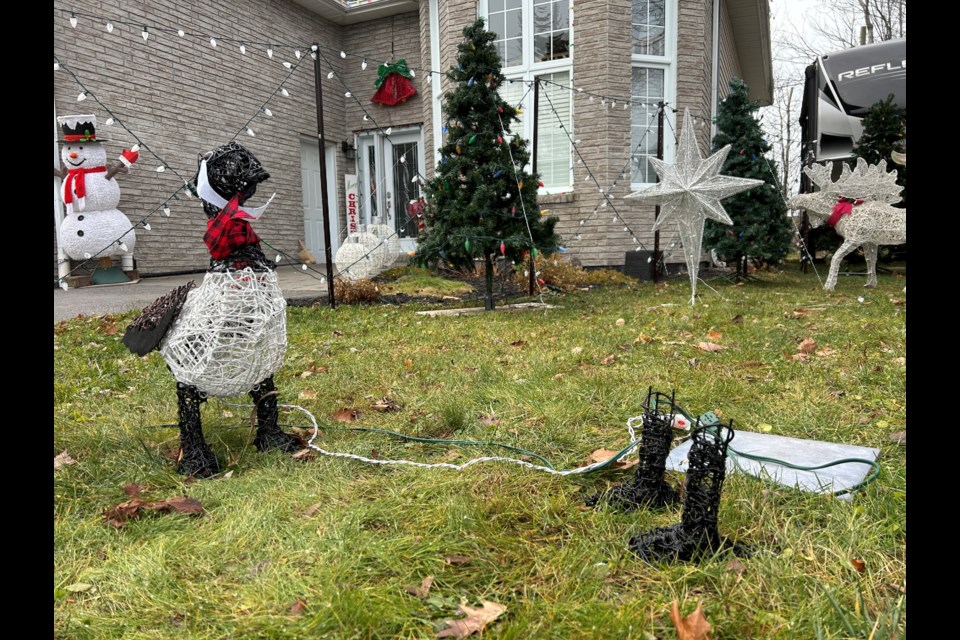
534, 39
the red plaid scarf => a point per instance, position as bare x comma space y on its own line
229, 231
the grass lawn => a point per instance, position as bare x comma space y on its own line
327, 547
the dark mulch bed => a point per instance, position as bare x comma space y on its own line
505, 291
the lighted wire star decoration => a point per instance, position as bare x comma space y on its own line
690, 191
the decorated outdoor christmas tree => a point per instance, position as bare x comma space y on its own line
760, 225
481, 202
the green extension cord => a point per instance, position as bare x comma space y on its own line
708, 419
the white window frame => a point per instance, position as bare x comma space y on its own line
527, 71
668, 63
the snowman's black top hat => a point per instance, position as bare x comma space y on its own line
82, 128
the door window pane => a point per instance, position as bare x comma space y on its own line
647, 91
406, 190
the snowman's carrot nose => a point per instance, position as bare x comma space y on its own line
73, 155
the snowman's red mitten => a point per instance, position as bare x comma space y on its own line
129, 156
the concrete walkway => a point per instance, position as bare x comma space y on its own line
298, 286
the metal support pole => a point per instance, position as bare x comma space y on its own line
536, 126
321, 140
655, 263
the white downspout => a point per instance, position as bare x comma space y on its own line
435, 95
716, 68
63, 268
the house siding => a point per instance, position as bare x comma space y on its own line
182, 97
160, 90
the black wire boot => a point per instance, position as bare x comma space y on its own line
269, 435
196, 457
696, 535
649, 487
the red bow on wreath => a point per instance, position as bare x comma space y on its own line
393, 84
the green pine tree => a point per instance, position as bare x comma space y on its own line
761, 229
884, 131
481, 202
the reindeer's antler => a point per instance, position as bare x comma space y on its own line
819, 174
866, 181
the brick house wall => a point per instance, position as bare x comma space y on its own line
158, 90
182, 97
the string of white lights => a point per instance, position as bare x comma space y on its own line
185, 187
148, 29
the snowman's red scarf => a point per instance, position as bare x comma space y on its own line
76, 184
229, 231
843, 207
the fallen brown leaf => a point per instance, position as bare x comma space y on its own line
308, 394
693, 627
602, 455
799, 357
642, 339
408, 363
826, 351
457, 559
490, 420
346, 415
899, 437
709, 346
751, 363
61, 460
610, 359
858, 564
736, 566
297, 607
304, 454
119, 515
476, 621
620, 322
517, 343
313, 368
385, 404
807, 345
421, 591
714, 335
180, 504
312, 509
559, 376
303, 376
132, 489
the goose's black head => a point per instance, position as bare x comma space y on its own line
232, 169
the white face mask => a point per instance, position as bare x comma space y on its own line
207, 194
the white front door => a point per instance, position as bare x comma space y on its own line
388, 168
312, 202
